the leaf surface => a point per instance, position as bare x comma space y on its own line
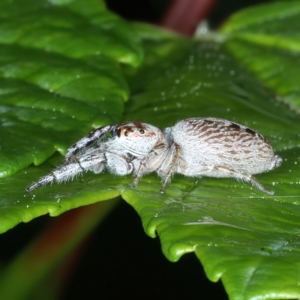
265, 39
247, 239
59, 75
241, 236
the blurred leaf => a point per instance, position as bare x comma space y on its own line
74, 28
53, 250
265, 39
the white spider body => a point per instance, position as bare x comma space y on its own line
216, 142
129, 147
193, 147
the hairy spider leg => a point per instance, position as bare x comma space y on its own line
171, 166
69, 171
223, 171
243, 177
153, 159
94, 136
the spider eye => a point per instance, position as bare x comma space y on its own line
142, 131
125, 133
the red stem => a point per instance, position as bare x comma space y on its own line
183, 16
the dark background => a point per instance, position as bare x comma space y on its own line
152, 11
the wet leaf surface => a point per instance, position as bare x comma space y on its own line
245, 238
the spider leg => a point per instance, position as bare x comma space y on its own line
223, 172
151, 162
140, 173
242, 176
92, 137
91, 162
170, 166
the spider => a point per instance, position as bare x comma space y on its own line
194, 147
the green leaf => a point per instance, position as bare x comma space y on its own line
74, 28
59, 75
247, 239
17, 205
241, 236
265, 39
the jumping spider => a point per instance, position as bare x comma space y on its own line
193, 147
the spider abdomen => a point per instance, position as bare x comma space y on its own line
218, 142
